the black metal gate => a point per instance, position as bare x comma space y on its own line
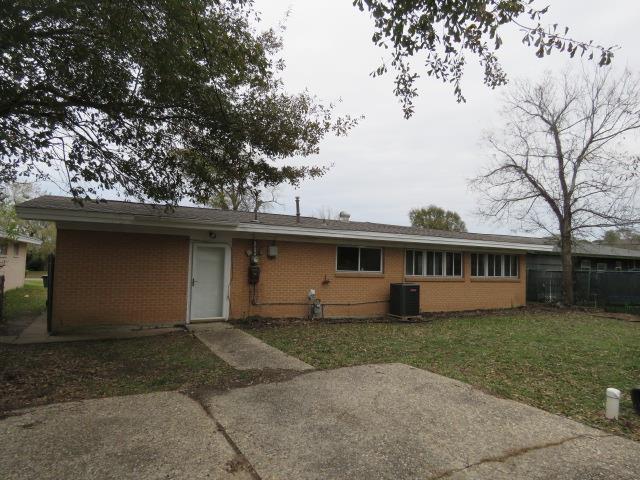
544, 286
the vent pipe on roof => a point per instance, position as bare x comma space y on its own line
256, 206
297, 209
344, 216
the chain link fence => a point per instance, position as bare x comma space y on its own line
590, 288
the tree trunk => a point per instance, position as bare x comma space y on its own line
567, 264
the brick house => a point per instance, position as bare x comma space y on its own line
13, 259
124, 263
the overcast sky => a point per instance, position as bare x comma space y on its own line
388, 165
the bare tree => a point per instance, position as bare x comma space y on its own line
234, 197
326, 213
559, 163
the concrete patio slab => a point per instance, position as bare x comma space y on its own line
399, 422
244, 351
585, 458
154, 436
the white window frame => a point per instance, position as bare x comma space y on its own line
4, 248
424, 263
502, 256
603, 265
585, 264
360, 247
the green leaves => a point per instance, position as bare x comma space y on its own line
436, 218
105, 93
442, 32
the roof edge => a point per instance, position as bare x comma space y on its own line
27, 212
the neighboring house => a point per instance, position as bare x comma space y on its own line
588, 256
122, 263
13, 259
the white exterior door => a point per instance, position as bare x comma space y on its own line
207, 282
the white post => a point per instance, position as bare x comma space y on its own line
613, 403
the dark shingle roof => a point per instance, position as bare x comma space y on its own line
596, 250
213, 216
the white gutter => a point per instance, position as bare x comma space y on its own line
21, 238
29, 213
388, 237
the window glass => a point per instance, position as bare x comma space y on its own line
417, 263
448, 264
370, 260
429, 263
437, 263
16, 249
514, 265
408, 268
498, 261
507, 265
348, 259
496, 265
3, 248
457, 264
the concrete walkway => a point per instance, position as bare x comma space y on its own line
244, 351
36, 332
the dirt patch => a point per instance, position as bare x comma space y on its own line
626, 317
33, 375
533, 309
250, 377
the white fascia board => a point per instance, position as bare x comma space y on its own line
387, 237
31, 240
22, 239
259, 228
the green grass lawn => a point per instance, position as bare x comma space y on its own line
45, 373
561, 363
29, 300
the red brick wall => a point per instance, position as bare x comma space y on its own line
113, 278
302, 266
